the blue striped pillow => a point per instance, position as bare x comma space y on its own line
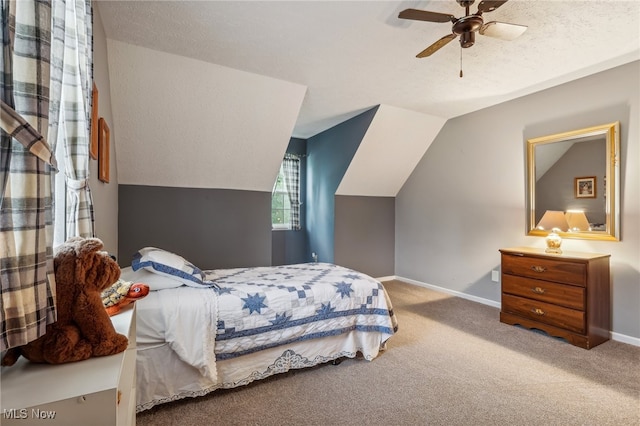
165, 263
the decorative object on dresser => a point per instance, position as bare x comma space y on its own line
553, 221
565, 295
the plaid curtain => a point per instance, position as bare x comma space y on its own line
70, 107
291, 169
27, 284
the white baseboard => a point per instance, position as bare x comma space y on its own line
451, 292
625, 339
635, 341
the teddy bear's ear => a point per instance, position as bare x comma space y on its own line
88, 246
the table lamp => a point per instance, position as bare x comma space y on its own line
577, 221
554, 221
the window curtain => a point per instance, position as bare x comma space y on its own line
70, 107
291, 169
27, 284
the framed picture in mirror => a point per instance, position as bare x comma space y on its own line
585, 187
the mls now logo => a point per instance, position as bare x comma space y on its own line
23, 413
15, 413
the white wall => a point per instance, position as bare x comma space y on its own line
466, 198
188, 123
105, 195
390, 149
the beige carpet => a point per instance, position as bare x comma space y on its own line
451, 363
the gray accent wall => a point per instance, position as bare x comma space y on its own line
365, 234
212, 228
328, 156
466, 198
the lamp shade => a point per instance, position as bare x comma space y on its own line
553, 219
577, 221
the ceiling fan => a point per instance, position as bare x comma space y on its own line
466, 26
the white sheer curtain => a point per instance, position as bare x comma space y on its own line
70, 108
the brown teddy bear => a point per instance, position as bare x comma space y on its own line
83, 328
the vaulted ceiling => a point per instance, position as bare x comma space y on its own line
202, 89
352, 55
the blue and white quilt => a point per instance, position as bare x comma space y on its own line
249, 310
265, 307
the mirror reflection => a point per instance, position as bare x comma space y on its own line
573, 176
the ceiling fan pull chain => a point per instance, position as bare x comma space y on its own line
461, 62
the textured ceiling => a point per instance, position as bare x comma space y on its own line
354, 55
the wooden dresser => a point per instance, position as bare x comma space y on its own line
566, 295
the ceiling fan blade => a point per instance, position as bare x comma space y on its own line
425, 15
502, 30
490, 6
436, 46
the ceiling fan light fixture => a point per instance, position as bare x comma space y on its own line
467, 39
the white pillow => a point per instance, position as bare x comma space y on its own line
154, 281
171, 265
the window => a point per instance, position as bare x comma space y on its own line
59, 199
285, 198
280, 204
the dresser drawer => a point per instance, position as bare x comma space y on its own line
545, 269
569, 296
569, 319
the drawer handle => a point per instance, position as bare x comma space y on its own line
538, 268
538, 290
538, 311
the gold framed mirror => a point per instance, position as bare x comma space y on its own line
577, 173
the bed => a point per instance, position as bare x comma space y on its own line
229, 327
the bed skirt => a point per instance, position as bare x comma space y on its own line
163, 377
